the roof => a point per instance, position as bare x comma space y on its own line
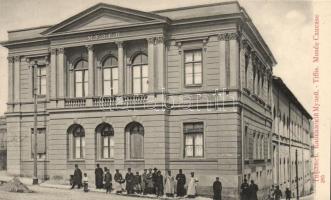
280, 83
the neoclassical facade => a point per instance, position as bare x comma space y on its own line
187, 88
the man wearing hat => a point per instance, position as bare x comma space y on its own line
118, 181
129, 178
149, 182
217, 188
77, 179
154, 178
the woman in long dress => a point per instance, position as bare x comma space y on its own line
118, 182
169, 183
191, 190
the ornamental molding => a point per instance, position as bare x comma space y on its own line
90, 47
60, 50
151, 40
119, 44
10, 59
17, 58
229, 36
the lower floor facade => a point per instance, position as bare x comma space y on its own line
210, 143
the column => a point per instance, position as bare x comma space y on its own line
234, 60
53, 74
151, 67
90, 70
222, 64
10, 79
121, 82
17, 79
160, 72
60, 66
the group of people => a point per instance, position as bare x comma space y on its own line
249, 192
150, 182
276, 193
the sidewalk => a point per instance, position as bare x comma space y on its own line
28, 181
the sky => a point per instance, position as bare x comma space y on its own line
286, 26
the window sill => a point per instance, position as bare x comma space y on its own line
76, 160
134, 160
105, 160
193, 86
201, 159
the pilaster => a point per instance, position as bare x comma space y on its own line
60, 67
151, 65
90, 53
120, 68
53, 73
160, 71
17, 78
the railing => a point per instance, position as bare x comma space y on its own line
75, 102
103, 101
135, 99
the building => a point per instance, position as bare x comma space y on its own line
3, 143
292, 132
186, 88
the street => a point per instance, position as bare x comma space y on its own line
41, 193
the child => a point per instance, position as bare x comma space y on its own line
85, 182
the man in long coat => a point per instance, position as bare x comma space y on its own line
129, 178
253, 188
77, 179
144, 182
181, 180
149, 182
108, 180
159, 184
154, 175
244, 190
98, 177
217, 188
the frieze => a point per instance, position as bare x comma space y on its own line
103, 36
229, 36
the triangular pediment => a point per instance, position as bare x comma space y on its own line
104, 16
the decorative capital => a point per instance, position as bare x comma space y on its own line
61, 50
229, 36
10, 59
151, 40
159, 39
52, 51
27, 59
17, 59
119, 44
46, 58
90, 47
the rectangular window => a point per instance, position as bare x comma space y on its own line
41, 80
193, 140
193, 67
41, 143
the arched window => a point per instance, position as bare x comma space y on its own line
135, 140
140, 74
105, 141
81, 78
77, 141
110, 76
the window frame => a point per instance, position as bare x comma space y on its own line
83, 82
81, 137
111, 67
194, 133
193, 62
41, 156
110, 137
141, 77
128, 141
39, 77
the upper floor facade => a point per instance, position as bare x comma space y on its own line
109, 55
